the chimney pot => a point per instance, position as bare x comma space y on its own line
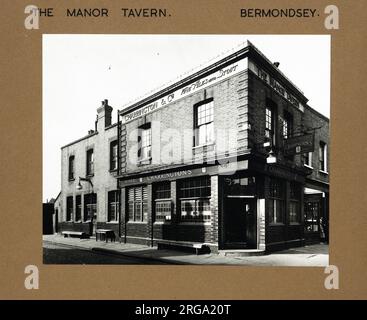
104, 112
276, 64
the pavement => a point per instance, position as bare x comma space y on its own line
55, 253
308, 256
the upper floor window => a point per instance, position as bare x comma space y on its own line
204, 126
287, 125
323, 156
270, 125
90, 162
307, 159
71, 168
145, 142
113, 155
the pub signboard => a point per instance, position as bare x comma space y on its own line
299, 144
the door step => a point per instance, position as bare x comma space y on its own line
241, 252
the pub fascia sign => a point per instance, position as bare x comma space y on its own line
202, 83
275, 85
221, 169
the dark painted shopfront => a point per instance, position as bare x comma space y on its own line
208, 205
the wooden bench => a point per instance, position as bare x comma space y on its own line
78, 234
105, 234
197, 247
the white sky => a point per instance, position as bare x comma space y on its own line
79, 71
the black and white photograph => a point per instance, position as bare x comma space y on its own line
186, 149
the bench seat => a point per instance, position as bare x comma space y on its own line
197, 247
78, 234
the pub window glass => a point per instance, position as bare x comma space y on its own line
204, 125
322, 156
145, 142
269, 125
276, 201
90, 162
162, 198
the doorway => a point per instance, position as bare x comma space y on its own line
239, 223
312, 208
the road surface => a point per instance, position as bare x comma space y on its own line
61, 254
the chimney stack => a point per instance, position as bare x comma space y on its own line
104, 115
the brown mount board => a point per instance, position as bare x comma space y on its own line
21, 158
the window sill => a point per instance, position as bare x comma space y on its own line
276, 224
162, 222
324, 172
209, 144
194, 223
90, 175
307, 166
112, 170
294, 223
112, 222
145, 161
71, 179
137, 222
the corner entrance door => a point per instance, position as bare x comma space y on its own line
240, 223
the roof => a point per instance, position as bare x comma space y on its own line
88, 136
317, 113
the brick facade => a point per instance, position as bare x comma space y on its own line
239, 87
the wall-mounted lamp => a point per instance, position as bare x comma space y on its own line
271, 158
79, 186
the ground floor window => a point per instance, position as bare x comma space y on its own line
113, 205
294, 203
69, 208
162, 200
195, 210
137, 204
276, 201
293, 212
163, 210
78, 208
194, 197
90, 206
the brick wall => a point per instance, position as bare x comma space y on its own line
313, 119
172, 127
258, 93
103, 180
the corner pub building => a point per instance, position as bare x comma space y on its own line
230, 157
